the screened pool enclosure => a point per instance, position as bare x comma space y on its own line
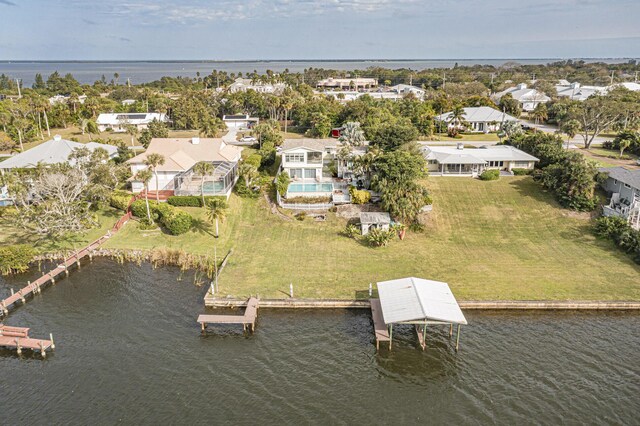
220, 182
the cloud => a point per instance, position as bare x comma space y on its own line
7, 3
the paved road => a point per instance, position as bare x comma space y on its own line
578, 140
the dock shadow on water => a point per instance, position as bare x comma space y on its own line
128, 349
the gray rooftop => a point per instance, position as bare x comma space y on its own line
482, 114
453, 155
630, 177
375, 218
54, 151
311, 144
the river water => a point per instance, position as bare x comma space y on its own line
129, 350
146, 71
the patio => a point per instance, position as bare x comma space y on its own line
220, 182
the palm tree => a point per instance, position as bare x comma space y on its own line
570, 128
540, 113
153, 161
145, 176
203, 169
208, 128
132, 131
351, 134
624, 144
457, 118
216, 210
116, 76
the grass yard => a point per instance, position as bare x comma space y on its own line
489, 240
10, 234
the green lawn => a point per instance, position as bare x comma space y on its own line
10, 234
489, 240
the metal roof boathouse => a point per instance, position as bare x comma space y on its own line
415, 301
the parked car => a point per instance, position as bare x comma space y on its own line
248, 139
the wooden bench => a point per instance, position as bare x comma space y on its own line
379, 327
9, 331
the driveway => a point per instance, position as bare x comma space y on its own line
577, 140
231, 136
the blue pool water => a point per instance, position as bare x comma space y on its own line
310, 187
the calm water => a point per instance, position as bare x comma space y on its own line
129, 351
146, 71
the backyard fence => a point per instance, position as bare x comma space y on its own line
302, 206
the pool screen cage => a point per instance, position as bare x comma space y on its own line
219, 182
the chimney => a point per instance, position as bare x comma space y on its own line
57, 138
459, 145
195, 140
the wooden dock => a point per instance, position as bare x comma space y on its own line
379, 327
248, 319
35, 287
18, 338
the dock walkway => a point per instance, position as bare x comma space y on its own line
380, 328
248, 319
35, 287
18, 338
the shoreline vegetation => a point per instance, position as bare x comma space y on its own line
497, 240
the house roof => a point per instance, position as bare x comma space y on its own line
181, 154
630, 177
522, 93
53, 151
375, 217
453, 155
414, 299
134, 118
480, 114
310, 144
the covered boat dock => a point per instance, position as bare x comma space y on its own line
418, 302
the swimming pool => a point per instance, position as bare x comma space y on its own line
310, 187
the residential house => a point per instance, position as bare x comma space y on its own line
177, 177
54, 151
118, 122
623, 186
243, 84
356, 83
405, 89
128, 102
240, 121
304, 159
63, 99
528, 98
461, 161
577, 92
479, 119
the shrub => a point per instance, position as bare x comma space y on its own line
607, 144
145, 224
301, 216
15, 258
522, 172
120, 200
139, 208
176, 221
282, 183
621, 233
359, 196
309, 200
490, 175
351, 231
379, 237
162, 210
185, 201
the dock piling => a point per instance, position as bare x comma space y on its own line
291, 290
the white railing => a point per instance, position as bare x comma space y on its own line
302, 206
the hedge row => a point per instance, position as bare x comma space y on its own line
15, 259
189, 200
175, 221
522, 172
120, 200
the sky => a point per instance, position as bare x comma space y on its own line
317, 29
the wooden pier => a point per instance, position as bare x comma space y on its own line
380, 328
35, 287
248, 319
18, 338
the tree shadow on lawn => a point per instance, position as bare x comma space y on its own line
532, 189
202, 227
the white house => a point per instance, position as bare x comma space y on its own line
118, 122
623, 186
128, 102
243, 84
177, 177
528, 98
54, 151
577, 92
461, 161
481, 119
347, 83
63, 99
303, 159
240, 121
404, 89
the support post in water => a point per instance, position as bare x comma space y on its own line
291, 290
53, 345
213, 290
458, 338
370, 289
390, 335
450, 330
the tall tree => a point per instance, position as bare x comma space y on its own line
145, 176
153, 161
217, 210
